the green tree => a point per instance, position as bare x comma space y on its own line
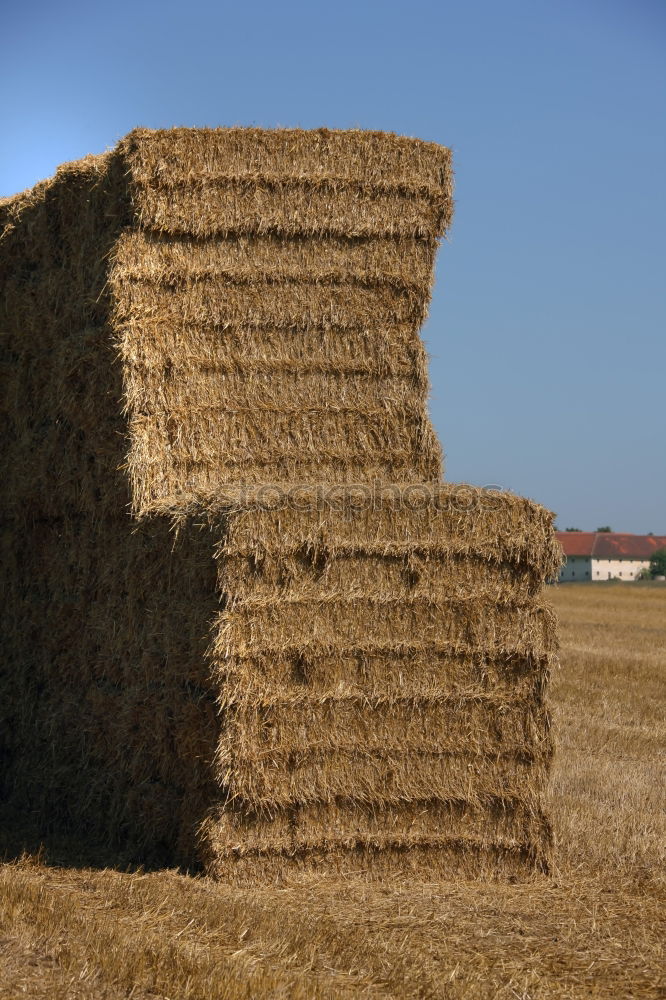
658, 563
572, 529
605, 528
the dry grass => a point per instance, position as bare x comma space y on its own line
609, 773
591, 930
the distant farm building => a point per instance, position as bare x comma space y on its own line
606, 555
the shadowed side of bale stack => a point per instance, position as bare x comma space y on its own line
382, 663
107, 717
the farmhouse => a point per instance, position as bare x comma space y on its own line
606, 555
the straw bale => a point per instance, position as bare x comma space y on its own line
183, 154
267, 306
370, 624
146, 258
384, 779
421, 672
63, 431
487, 838
382, 518
290, 181
343, 821
288, 208
296, 575
269, 731
432, 859
219, 303
190, 348
107, 684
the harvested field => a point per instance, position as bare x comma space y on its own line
594, 929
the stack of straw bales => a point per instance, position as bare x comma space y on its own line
267, 306
382, 661
215, 646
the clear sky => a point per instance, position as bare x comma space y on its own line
548, 323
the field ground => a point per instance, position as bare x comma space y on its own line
595, 928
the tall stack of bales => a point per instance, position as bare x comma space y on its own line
268, 305
187, 322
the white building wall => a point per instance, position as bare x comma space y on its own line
582, 568
618, 569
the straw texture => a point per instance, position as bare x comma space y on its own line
215, 647
267, 310
382, 668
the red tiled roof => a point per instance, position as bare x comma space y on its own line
610, 544
576, 543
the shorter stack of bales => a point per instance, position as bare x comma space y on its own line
381, 662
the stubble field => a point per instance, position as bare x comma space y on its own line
594, 928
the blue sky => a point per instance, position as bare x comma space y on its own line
548, 323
